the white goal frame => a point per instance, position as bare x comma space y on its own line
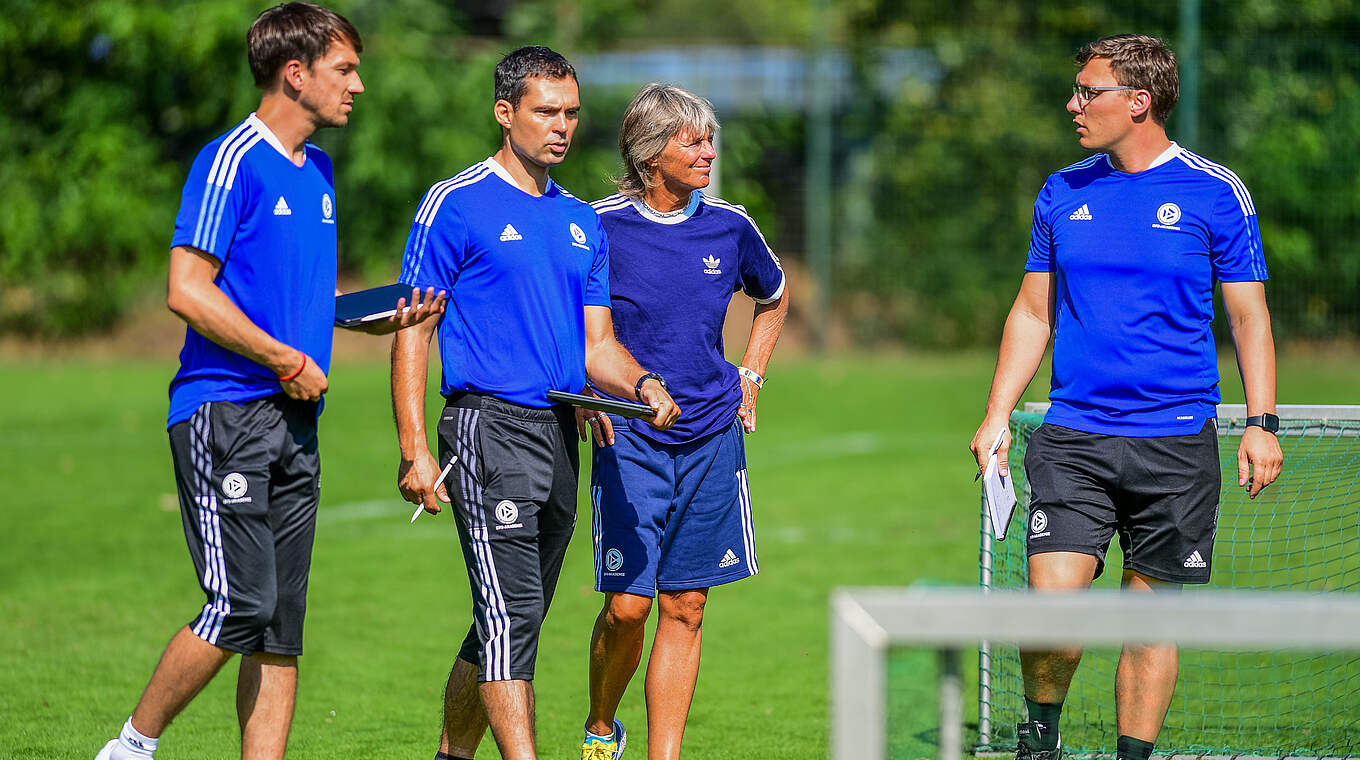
867, 622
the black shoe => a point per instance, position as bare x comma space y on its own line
1031, 737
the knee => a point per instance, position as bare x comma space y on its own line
685, 608
627, 611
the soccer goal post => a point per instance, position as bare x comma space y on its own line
867, 624
1302, 534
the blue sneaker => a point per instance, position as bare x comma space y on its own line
605, 748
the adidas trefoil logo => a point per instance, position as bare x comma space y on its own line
509, 233
1194, 560
281, 208
1082, 214
729, 559
711, 266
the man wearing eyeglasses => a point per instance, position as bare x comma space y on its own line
1125, 249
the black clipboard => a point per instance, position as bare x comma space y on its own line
362, 306
621, 408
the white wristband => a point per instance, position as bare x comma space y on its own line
751, 375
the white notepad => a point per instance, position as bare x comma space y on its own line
998, 491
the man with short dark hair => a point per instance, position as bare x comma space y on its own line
526, 266
1125, 250
252, 272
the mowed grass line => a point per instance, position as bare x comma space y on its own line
859, 476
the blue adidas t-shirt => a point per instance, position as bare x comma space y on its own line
1134, 258
671, 279
520, 270
272, 225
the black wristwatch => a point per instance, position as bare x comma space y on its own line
637, 389
1267, 422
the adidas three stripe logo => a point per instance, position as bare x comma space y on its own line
510, 233
1082, 214
1195, 560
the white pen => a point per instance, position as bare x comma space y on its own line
444, 474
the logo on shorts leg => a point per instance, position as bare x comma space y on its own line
234, 487
507, 514
1195, 560
729, 559
1038, 524
613, 560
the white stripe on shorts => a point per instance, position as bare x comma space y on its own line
209, 625
495, 628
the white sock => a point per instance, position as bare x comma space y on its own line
609, 737
134, 745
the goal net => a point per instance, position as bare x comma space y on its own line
1300, 534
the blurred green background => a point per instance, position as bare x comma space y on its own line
890, 151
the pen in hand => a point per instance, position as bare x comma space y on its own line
443, 474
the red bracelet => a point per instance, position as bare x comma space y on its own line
298, 371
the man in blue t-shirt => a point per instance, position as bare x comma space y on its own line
672, 507
1125, 250
252, 272
526, 266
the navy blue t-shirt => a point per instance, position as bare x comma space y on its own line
1134, 259
272, 225
671, 279
519, 270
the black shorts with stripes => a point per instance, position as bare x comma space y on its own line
514, 497
249, 480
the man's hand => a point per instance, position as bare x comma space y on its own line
982, 445
747, 411
422, 308
1259, 460
307, 385
598, 423
416, 478
654, 395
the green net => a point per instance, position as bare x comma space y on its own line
1301, 534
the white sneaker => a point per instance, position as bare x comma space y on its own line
114, 750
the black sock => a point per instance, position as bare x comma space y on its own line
1046, 715
447, 756
1129, 748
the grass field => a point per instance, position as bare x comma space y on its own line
859, 472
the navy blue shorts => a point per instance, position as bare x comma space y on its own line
671, 516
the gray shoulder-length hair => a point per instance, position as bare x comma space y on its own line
658, 113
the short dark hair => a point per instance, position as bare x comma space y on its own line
519, 66
1143, 62
294, 31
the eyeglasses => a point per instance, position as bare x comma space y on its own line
1086, 93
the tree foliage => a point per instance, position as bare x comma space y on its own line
107, 101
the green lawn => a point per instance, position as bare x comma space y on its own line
859, 473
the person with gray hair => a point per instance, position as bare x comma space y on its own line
672, 510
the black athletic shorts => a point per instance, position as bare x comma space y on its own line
1160, 494
249, 481
514, 497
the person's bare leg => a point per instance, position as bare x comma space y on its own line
266, 691
1146, 677
673, 670
187, 665
615, 651
1048, 672
464, 716
510, 711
